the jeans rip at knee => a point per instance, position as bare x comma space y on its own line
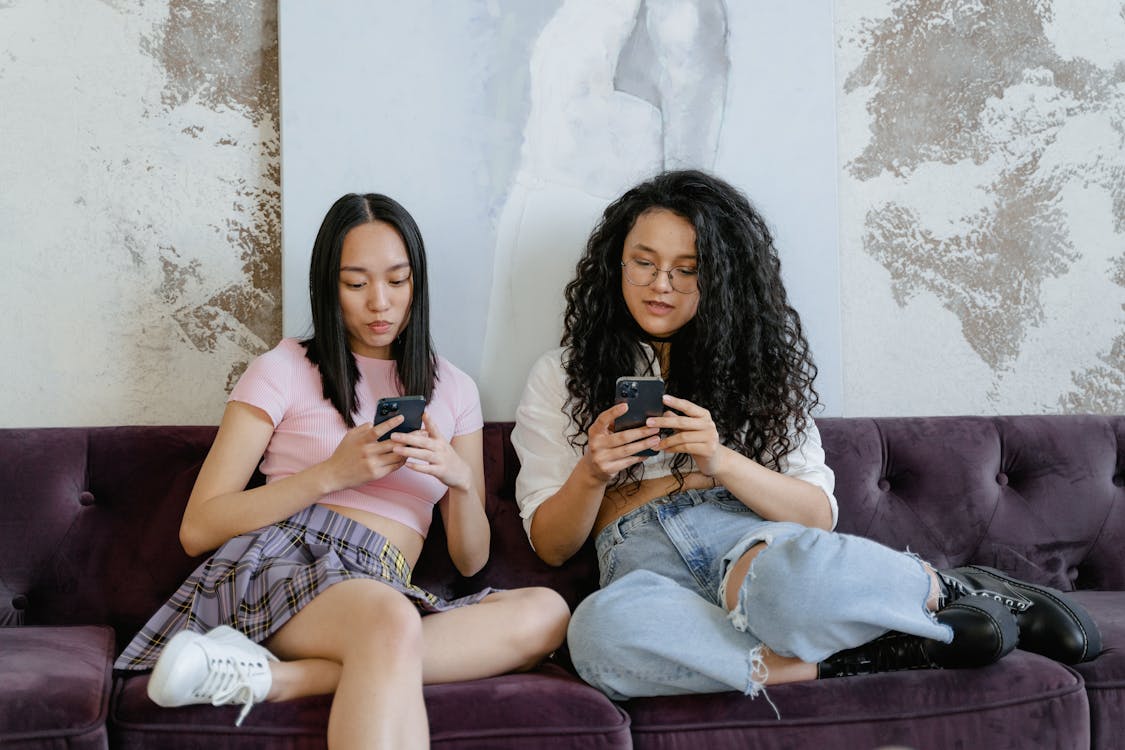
738, 615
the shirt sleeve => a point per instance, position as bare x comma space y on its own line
540, 437
468, 417
266, 384
806, 462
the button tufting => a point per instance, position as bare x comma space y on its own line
884, 484
1002, 479
19, 601
86, 498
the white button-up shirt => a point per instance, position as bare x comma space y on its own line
547, 458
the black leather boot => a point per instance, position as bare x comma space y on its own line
1051, 623
984, 630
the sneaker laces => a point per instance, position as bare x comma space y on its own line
228, 681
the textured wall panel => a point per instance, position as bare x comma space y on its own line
140, 207
982, 205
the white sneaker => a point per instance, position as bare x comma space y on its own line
220, 667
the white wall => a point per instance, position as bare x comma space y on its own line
978, 265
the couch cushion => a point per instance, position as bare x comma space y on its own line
1105, 676
547, 708
1022, 701
55, 686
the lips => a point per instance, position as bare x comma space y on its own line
380, 327
656, 307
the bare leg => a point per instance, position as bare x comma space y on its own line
933, 603
782, 669
507, 631
374, 635
296, 679
738, 573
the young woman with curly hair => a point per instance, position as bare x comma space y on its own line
719, 566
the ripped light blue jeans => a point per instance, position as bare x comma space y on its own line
659, 625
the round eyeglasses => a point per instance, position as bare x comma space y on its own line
640, 272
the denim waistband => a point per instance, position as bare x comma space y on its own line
653, 510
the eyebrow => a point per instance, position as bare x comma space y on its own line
363, 269
647, 249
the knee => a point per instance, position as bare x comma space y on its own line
541, 623
385, 622
603, 622
590, 635
787, 574
603, 638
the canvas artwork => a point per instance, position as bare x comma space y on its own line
507, 127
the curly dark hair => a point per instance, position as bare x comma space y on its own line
744, 355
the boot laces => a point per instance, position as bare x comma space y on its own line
1012, 600
228, 681
888, 653
895, 651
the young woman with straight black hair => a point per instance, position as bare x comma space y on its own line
719, 567
309, 590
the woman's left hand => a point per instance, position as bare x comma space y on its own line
694, 433
434, 455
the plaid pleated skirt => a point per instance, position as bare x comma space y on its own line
257, 581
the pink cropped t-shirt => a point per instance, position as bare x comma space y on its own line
307, 428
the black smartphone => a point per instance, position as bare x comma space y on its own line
645, 396
410, 407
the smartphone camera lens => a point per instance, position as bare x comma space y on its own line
386, 409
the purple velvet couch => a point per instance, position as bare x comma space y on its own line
88, 550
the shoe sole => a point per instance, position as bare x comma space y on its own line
1092, 639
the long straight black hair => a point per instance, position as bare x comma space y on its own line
413, 350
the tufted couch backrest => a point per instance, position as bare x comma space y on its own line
89, 521
1041, 497
89, 516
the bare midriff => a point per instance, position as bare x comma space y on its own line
408, 541
620, 500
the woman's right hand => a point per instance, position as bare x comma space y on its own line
361, 458
609, 452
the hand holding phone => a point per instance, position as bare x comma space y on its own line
645, 397
410, 407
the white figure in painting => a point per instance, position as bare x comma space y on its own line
619, 91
